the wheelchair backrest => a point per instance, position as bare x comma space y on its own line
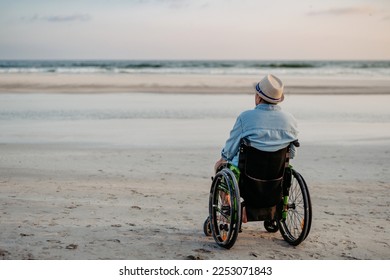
261, 176
261, 165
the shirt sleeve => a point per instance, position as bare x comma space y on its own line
293, 151
233, 142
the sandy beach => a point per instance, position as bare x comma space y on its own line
125, 174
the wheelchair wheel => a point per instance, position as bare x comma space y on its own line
207, 227
225, 208
271, 225
296, 226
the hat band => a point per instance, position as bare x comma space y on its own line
260, 91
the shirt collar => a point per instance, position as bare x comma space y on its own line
269, 107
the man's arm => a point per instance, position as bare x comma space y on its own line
232, 144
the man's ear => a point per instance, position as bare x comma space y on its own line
257, 99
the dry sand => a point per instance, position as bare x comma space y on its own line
109, 190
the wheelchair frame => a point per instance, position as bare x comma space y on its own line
293, 212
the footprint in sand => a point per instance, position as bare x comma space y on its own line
71, 246
53, 241
4, 253
114, 240
192, 257
198, 255
116, 225
26, 234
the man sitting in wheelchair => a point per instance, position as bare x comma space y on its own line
266, 127
254, 180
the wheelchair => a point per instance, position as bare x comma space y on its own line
267, 188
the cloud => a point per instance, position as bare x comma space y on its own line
59, 18
343, 11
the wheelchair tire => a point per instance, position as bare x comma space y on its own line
310, 209
207, 227
271, 225
296, 226
225, 208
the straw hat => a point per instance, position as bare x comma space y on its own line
270, 88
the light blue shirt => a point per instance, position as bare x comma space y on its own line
267, 128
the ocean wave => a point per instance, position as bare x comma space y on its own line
286, 65
244, 67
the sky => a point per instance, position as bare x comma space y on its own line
195, 29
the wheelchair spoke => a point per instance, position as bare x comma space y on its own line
223, 221
295, 193
295, 220
295, 217
295, 230
223, 188
227, 217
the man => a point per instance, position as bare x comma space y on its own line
266, 126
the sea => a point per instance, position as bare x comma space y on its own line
347, 68
174, 120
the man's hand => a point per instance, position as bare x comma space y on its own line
218, 164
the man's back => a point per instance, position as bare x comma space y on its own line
266, 127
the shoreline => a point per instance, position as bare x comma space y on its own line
181, 84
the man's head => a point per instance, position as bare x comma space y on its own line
270, 89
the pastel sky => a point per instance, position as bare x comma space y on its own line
195, 29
